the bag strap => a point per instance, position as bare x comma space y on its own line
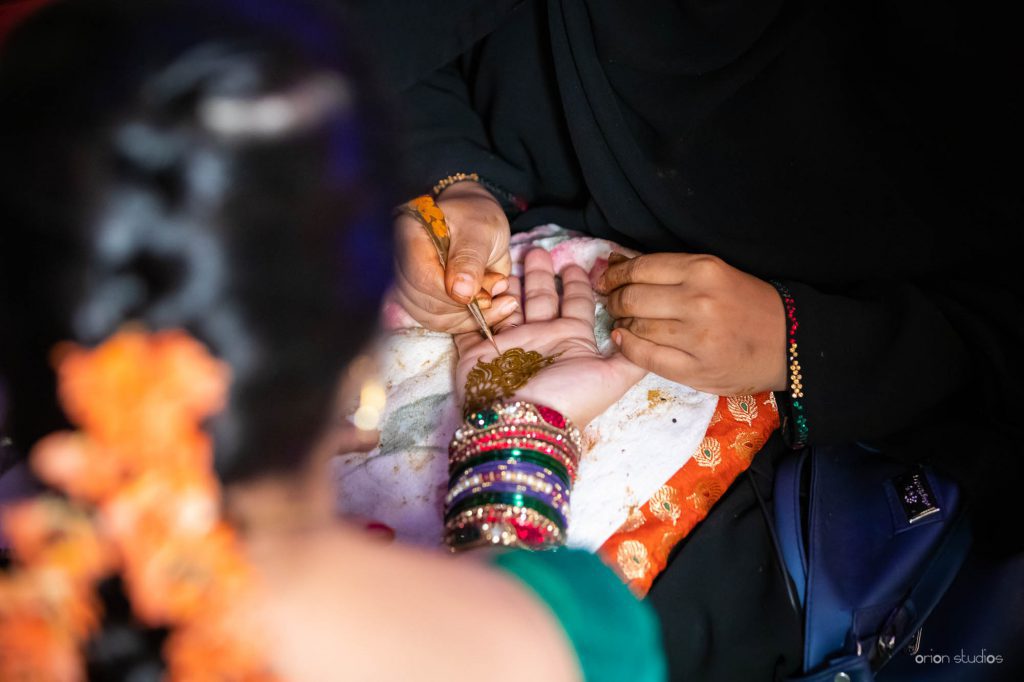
789, 521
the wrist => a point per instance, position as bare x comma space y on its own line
466, 188
795, 426
453, 180
574, 413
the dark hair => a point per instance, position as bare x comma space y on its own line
213, 165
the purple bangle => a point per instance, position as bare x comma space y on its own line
554, 500
527, 468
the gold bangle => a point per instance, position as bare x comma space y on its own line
451, 180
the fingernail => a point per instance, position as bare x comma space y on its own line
499, 288
463, 286
510, 306
617, 337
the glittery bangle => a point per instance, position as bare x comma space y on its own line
555, 507
546, 493
502, 525
551, 466
797, 431
447, 182
522, 473
483, 438
516, 500
540, 447
510, 416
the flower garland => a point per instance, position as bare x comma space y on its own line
141, 501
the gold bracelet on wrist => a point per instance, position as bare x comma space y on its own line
447, 182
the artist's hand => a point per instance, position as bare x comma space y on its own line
478, 262
696, 320
580, 383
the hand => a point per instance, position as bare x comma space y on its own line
478, 263
581, 383
696, 320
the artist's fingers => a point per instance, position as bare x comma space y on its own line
515, 289
577, 295
672, 364
653, 268
433, 313
503, 265
494, 284
646, 300
502, 307
448, 317
672, 333
467, 260
473, 336
541, 297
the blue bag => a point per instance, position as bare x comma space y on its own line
871, 545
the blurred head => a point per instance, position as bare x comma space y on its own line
212, 165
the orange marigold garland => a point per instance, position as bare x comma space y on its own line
142, 501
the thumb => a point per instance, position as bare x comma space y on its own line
467, 259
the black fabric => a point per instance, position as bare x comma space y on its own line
412, 39
856, 151
722, 602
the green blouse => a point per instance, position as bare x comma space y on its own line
615, 636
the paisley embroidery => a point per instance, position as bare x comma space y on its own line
632, 559
664, 504
709, 453
743, 408
748, 444
705, 493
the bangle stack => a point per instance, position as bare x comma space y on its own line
797, 433
511, 466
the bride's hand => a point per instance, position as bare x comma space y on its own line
580, 383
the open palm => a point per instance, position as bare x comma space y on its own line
580, 383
